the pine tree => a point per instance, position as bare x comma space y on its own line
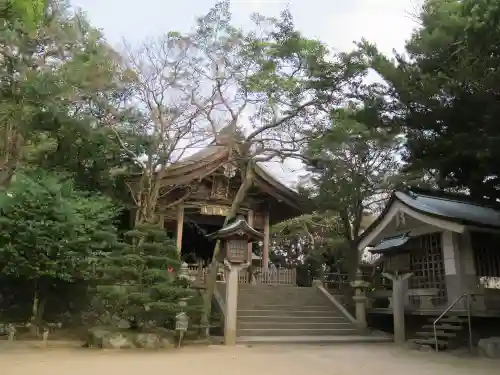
139, 277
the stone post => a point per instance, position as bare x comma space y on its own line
231, 301
360, 299
398, 304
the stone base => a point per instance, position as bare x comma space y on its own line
109, 338
489, 347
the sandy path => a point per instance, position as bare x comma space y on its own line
378, 359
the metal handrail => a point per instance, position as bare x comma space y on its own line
466, 295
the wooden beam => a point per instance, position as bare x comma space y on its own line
265, 247
250, 222
180, 225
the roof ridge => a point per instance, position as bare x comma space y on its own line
451, 196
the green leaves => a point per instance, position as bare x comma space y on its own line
29, 12
140, 276
445, 95
48, 229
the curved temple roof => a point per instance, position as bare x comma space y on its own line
212, 157
452, 207
456, 208
238, 226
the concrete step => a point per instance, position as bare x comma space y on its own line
319, 340
443, 327
430, 334
283, 303
242, 332
260, 306
288, 318
290, 313
292, 325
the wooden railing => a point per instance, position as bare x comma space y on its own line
273, 276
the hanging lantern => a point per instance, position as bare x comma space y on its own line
229, 170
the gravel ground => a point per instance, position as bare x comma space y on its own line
340, 359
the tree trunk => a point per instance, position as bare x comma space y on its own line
211, 277
37, 311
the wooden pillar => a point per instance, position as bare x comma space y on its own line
265, 247
250, 247
161, 221
180, 224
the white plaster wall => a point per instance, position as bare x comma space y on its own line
450, 253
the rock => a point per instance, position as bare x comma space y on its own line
123, 324
148, 341
489, 347
95, 336
111, 338
116, 340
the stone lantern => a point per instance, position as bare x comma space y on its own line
234, 239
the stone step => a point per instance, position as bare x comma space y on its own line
308, 339
281, 296
260, 306
267, 287
450, 320
430, 342
288, 318
293, 325
296, 332
430, 334
443, 327
291, 313
282, 303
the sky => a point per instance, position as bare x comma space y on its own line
338, 23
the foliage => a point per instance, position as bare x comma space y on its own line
313, 235
50, 232
28, 12
137, 279
264, 87
353, 165
59, 78
444, 92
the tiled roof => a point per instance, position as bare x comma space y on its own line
453, 207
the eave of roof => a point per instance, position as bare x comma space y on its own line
195, 167
238, 226
391, 244
450, 207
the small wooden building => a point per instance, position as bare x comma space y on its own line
451, 244
205, 183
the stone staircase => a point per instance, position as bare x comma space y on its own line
266, 310
451, 333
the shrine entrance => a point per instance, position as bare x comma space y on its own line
196, 246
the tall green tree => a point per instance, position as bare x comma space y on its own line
56, 70
444, 91
137, 280
265, 86
50, 233
354, 165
